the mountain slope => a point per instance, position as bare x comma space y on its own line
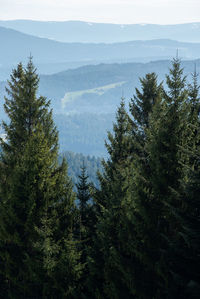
76, 31
17, 46
85, 100
98, 88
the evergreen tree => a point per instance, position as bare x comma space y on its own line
55, 245
194, 102
83, 195
186, 247
158, 188
85, 226
34, 191
116, 226
118, 150
141, 106
194, 90
144, 279
112, 206
190, 245
142, 103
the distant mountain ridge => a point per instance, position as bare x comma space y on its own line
98, 88
85, 100
17, 46
89, 32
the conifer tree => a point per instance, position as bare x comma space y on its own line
190, 245
34, 191
194, 102
158, 187
83, 195
181, 114
186, 247
118, 150
142, 103
141, 106
85, 227
111, 238
194, 89
117, 222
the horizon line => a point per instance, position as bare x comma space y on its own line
98, 22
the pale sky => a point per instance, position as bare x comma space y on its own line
107, 11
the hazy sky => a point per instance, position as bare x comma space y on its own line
109, 11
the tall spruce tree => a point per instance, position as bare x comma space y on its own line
180, 114
141, 108
83, 196
35, 191
194, 89
85, 227
110, 252
158, 188
118, 148
142, 103
186, 247
116, 225
190, 245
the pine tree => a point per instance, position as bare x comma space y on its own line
194, 90
34, 191
194, 102
186, 247
110, 252
158, 187
182, 136
190, 245
85, 227
83, 195
141, 106
116, 226
118, 149
56, 246
142, 103
141, 218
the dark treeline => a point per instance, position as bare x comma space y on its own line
139, 236
76, 161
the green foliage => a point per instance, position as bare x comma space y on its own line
143, 211
134, 233
36, 210
111, 204
159, 193
142, 104
74, 162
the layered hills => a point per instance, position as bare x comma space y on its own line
88, 32
85, 99
53, 56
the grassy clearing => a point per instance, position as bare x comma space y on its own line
73, 96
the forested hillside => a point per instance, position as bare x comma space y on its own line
77, 161
98, 88
133, 235
85, 100
84, 133
52, 54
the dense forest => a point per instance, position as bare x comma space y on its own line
135, 234
76, 161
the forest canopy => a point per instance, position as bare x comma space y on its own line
135, 232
